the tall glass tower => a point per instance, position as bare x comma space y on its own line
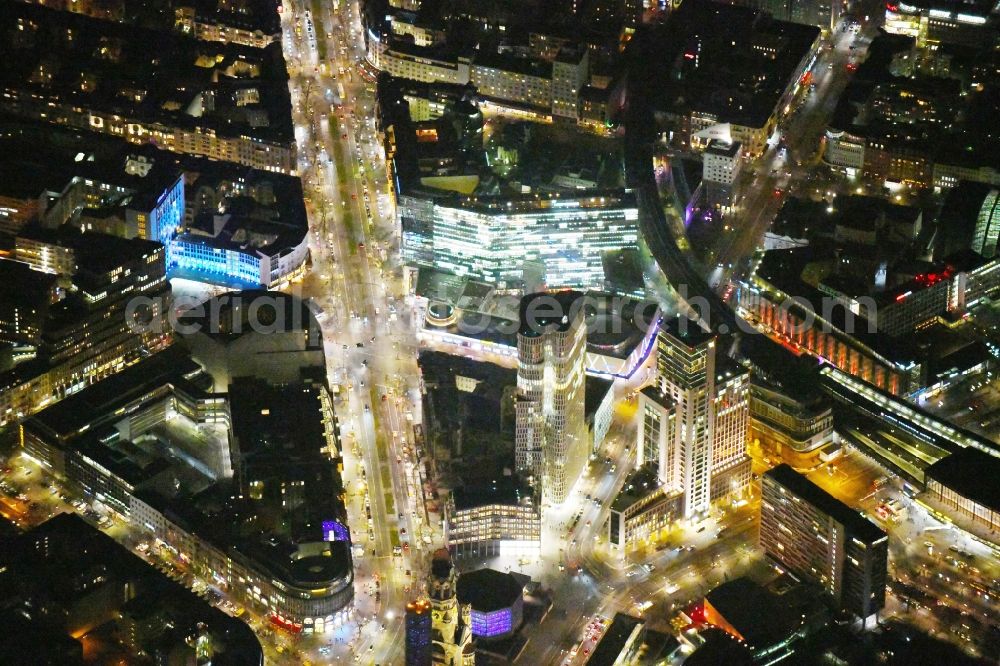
709, 399
551, 436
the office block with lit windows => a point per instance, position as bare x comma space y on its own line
500, 515
817, 538
232, 103
72, 330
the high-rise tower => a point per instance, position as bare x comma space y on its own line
551, 437
694, 421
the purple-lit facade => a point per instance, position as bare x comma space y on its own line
334, 530
496, 602
498, 623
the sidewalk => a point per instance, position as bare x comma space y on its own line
945, 514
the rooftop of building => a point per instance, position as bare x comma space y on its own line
783, 270
659, 397
448, 52
503, 488
395, 87
47, 644
804, 406
950, 349
686, 331
72, 414
762, 617
545, 312
594, 94
244, 191
774, 367
281, 434
476, 325
443, 147
862, 211
20, 283
49, 160
719, 647
528, 204
881, 52
65, 561
971, 473
855, 523
54, 156
571, 54
148, 75
637, 486
595, 390
232, 315
282, 438
95, 252
656, 647
508, 62
123, 458
313, 565
729, 370
256, 15
723, 149
249, 235
488, 590
623, 271
912, 114
608, 651
728, 61
797, 217
616, 325
274, 425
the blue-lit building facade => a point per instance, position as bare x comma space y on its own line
215, 259
207, 236
496, 624
162, 221
418, 633
496, 600
492, 238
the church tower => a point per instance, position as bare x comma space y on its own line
451, 623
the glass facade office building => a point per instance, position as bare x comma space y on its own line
492, 239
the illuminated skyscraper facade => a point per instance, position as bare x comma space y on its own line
987, 232
551, 432
694, 421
